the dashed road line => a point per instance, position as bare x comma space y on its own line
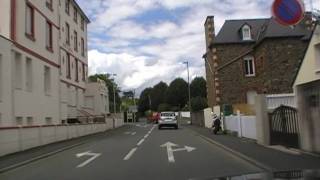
140, 142
128, 156
132, 151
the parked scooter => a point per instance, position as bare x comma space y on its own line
216, 124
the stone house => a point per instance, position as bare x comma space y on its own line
252, 56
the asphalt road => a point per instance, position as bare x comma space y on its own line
134, 152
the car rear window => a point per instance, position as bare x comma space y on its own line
167, 114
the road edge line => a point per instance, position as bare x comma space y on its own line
14, 166
235, 153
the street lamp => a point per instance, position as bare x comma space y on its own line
114, 93
187, 63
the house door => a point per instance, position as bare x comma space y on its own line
284, 129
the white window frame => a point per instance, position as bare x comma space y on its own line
249, 59
246, 33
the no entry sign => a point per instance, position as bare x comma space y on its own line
288, 12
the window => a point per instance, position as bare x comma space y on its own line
67, 6
67, 34
18, 71
246, 33
48, 120
82, 47
49, 36
75, 39
30, 121
47, 80
82, 23
49, 4
68, 66
19, 121
76, 71
83, 72
29, 82
249, 66
75, 14
29, 22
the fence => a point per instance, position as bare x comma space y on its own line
275, 100
14, 139
244, 126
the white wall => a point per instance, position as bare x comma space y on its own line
5, 18
245, 126
275, 100
208, 117
18, 139
185, 114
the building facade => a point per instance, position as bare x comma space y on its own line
252, 56
43, 61
307, 88
73, 59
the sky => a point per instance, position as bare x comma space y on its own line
147, 41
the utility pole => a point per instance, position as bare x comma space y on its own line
189, 93
114, 94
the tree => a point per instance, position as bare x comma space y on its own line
177, 93
198, 87
164, 107
144, 100
158, 94
198, 103
111, 84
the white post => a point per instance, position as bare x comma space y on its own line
239, 123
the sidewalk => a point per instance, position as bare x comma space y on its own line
17, 159
274, 159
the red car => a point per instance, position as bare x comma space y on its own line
154, 118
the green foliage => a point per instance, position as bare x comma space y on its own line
111, 85
198, 103
143, 103
177, 93
164, 107
158, 95
198, 87
174, 97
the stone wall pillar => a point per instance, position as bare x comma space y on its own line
262, 120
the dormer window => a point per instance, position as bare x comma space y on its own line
246, 33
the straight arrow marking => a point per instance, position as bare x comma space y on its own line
170, 151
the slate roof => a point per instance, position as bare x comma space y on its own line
260, 29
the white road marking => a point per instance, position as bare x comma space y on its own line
140, 142
132, 151
128, 156
133, 133
170, 151
88, 153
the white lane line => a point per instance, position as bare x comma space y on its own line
128, 156
145, 136
133, 133
140, 142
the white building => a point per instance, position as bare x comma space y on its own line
73, 59
96, 98
307, 88
43, 62
29, 63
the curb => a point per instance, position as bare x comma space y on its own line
14, 166
235, 153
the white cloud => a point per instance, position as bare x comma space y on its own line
142, 54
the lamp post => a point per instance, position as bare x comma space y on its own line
189, 94
114, 94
